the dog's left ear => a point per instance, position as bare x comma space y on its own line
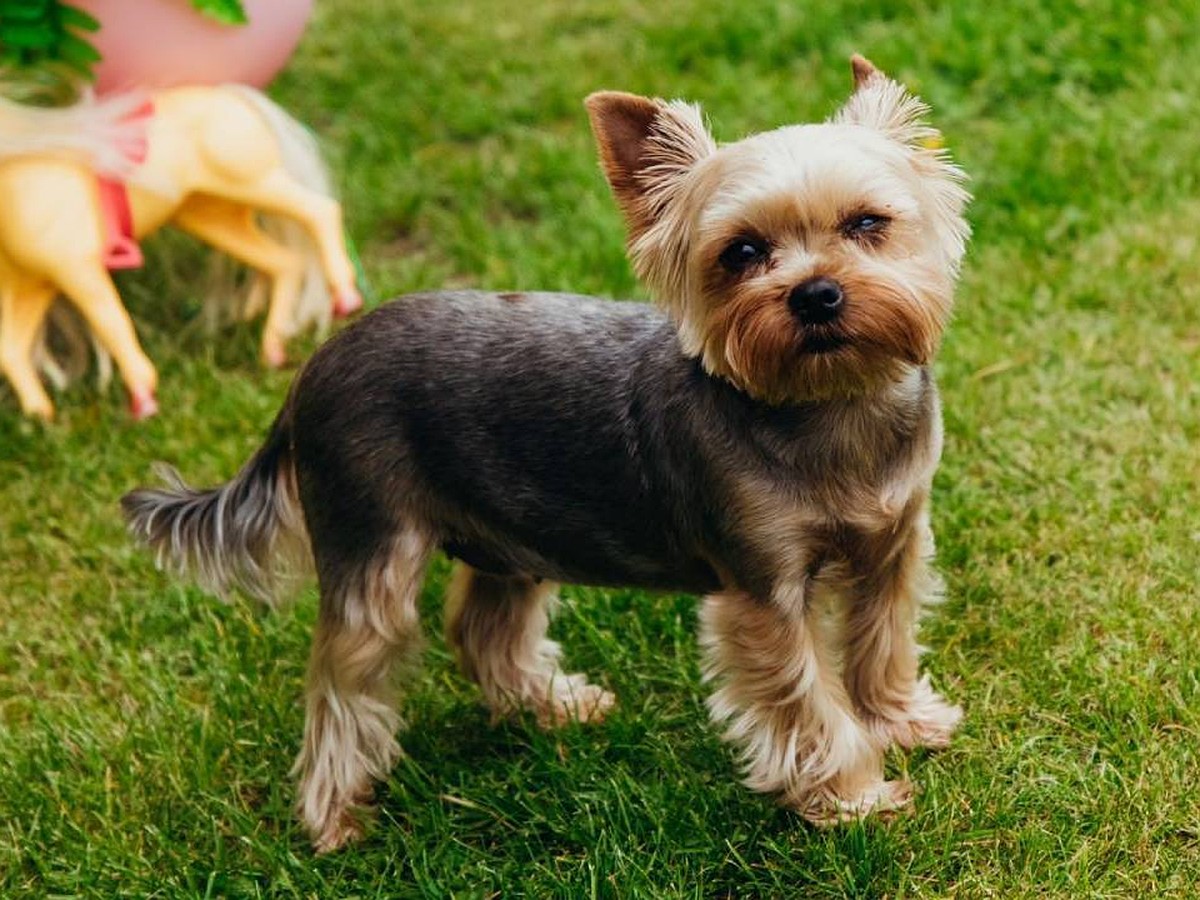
883, 104
646, 148
880, 103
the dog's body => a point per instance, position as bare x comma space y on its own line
570, 439
771, 444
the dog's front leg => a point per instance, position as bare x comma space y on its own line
783, 703
890, 579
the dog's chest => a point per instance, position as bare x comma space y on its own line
829, 486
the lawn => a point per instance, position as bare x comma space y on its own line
146, 729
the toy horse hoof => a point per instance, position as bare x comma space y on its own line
274, 355
43, 413
346, 302
143, 406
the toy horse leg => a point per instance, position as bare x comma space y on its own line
230, 227
90, 288
23, 308
321, 216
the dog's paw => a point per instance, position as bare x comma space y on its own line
341, 829
580, 702
883, 798
927, 721
334, 821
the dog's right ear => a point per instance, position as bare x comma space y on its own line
646, 147
881, 103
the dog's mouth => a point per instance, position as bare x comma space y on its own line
822, 342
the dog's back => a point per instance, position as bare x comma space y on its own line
514, 430
552, 435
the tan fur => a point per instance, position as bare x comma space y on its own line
798, 497
497, 627
816, 665
781, 701
351, 719
645, 147
685, 200
834, 631
881, 665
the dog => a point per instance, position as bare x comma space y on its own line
768, 441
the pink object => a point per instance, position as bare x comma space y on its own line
143, 406
164, 43
133, 144
121, 250
346, 302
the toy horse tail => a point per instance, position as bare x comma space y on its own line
100, 131
248, 533
74, 345
303, 162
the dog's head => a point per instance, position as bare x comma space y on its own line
803, 263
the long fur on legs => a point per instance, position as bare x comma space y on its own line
368, 630
883, 600
497, 627
768, 438
782, 703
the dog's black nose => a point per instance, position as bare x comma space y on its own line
816, 301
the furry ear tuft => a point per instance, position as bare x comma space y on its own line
883, 104
864, 70
646, 147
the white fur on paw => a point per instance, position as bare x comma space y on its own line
342, 829
880, 798
577, 701
927, 721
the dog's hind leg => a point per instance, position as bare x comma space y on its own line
368, 627
497, 627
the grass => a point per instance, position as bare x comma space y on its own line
146, 730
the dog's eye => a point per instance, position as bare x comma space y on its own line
864, 224
743, 253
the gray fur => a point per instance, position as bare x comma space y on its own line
226, 537
546, 434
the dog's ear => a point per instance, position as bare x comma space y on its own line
880, 103
646, 147
883, 104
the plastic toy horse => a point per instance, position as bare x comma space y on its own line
208, 159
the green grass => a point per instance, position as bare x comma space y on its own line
146, 730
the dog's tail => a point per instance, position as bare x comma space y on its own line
248, 533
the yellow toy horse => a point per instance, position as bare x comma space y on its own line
207, 159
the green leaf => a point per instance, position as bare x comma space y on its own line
35, 34
21, 8
228, 12
22, 12
27, 37
78, 53
72, 17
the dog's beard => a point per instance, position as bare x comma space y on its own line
752, 338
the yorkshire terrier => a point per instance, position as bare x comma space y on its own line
768, 442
